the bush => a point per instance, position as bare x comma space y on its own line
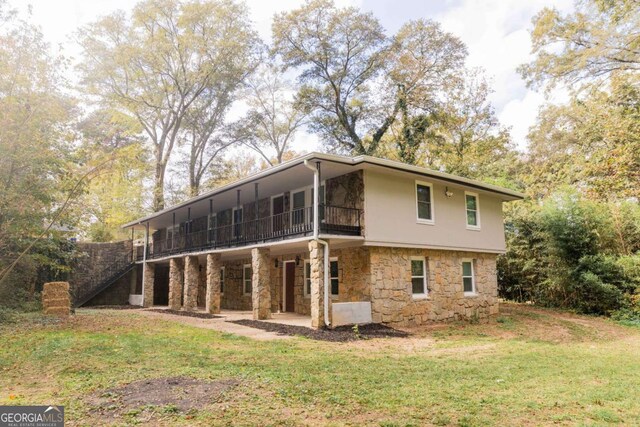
571, 253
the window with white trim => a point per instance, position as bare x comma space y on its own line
307, 278
211, 227
472, 206
468, 277
334, 277
297, 207
222, 280
419, 277
172, 235
247, 278
424, 202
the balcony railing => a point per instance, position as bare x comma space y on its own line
296, 223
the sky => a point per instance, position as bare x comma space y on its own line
496, 33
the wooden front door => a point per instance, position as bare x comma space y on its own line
289, 282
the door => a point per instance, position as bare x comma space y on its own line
289, 282
278, 217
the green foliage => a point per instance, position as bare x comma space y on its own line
589, 45
567, 253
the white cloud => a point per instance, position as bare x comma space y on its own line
497, 35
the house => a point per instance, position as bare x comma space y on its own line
339, 239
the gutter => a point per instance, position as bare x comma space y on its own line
316, 233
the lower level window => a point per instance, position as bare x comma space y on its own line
247, 277
335, 282
307, 278
468, 277
419, 276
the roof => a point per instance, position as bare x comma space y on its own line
506, 193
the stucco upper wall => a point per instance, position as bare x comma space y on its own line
391, 217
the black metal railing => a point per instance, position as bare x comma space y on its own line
298, 222
83, 292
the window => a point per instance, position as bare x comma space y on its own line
172, 236
211, 227
307, 278
424, 202
237, 221
297, 207
419, 277
333, 277
320, 202
468, 278
473, 210
222, 280
247, 278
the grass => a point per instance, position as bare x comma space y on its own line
526, 367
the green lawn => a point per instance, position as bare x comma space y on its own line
527, 367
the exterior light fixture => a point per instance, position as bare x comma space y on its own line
297, 260
276, 263
448, 192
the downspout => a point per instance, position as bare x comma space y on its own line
144, 258
316, 233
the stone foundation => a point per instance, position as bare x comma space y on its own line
391, 295
191, 282
149, 271
261, 287
176, 275
213, 284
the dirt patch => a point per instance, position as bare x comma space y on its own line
163, 395
338, 334
196, 314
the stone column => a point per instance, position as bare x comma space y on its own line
191, 282
176, 277
260, 283
213, 283
147, 285
316, 259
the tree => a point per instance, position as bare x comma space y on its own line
36, 158
592, 143
351, 70
274, 116
116, 195
599, 39
157, 62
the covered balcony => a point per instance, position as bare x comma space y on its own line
334, 220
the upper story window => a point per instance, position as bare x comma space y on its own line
472, 206
468, 277
424, 202
419, 277
297, 207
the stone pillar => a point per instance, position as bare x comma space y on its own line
316, 259
147, 285
260, 283
213, 283
191, 282
176, 277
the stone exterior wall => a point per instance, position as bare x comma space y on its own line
391, 296
347, 191
233, 297
116, 294
353, 274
